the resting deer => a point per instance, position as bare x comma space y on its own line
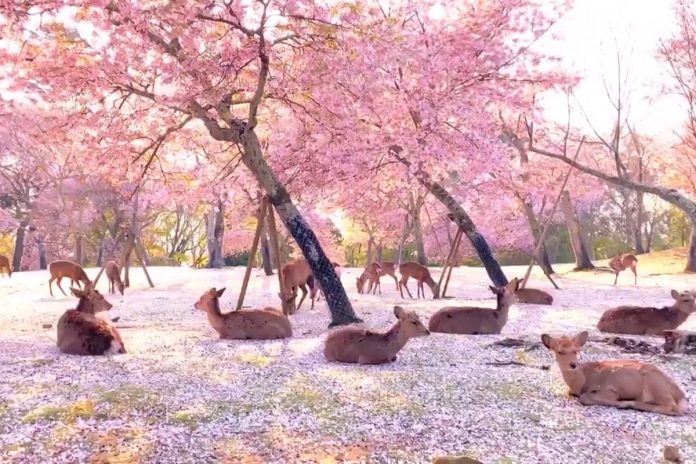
637, 320
533, 296
5, 266
297, 274
476, 321
618, 383
356, 345
371, 275
421, 274
73, 271
80, 332
262, 324
113, 275
621, 263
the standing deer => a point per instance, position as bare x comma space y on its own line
421, 274
389, 268
356, 345
80, 332
262, 324
113, 275
618, 383
297, 274
477, 321
73, 271
371, 275
620, 263
5, 265
638, 320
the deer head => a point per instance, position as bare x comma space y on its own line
91, 300
565, 348
506, 293
209, 299
410, 322
685, 301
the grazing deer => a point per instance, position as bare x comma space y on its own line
638, 320
618, 383
622, 262
356, 345
80, 332
73, 271
297, 274
5, 265
421, 274
371, 275
262, 324
533, 296
389, 268
476, 321
113, 275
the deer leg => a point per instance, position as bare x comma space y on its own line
616, 277
404, 284
61, 288
50, 286
395, 281
605, 398
635, 275
304, 294
666, 409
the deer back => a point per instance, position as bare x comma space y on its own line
533, 296
259, 324
637, 320
467, 320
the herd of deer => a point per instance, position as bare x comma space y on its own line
619, 383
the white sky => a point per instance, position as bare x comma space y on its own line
591, 31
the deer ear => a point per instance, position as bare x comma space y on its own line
77, 292
547, 340
675, 294
221, 291
514, 284
399, 312
581, 338
493, 289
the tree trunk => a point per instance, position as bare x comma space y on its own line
416, 205
215, 228
336, 298
78, 249
404, 235
100, 253
577, 240
266, 253
19, 247
369, 251
542, 257
43, 263
378, 253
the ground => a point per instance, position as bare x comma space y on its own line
182, 396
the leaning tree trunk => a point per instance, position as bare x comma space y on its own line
336, 298
19, 247
577, 240
542, 257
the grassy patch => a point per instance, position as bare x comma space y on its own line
300, 393
39, 362
194, 417
255, 359
130, 400
67, 414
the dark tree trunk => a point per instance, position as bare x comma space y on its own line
216, 228
577, 240
542, 257
100, 253
19, 247
43, 263
78, 249
416, 206
368, 256
378, 253
266, 254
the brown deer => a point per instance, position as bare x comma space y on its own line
371, 274
624, 384
261, 324
5, 266
476, 321
80, 332
638, 320
421, 274
620, 263
389, 268
356, 345
533, 296
73, 271
297, 274
113, 275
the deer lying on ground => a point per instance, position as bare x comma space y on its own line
113, 275
81, 332
371, 274
421, 274
476, 321
5, 266
533, 296
356, 345
638, 320
622, 384
262, 324
297, 274
72, 271
621, 263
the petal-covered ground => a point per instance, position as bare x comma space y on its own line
181, 395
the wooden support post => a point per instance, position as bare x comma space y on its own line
279, 264
455, 250
126, 262
140, 253
449, 257
101, 271
540, 242
254, 248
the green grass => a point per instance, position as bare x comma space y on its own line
68, 414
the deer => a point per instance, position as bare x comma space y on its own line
477, 321
421, 274
361, 346
261, 324
297, 274
113, 275
533, 296
638, 320
624, 384
80, 332
389, 268
371, 274
5, 266
620, 263
73, 271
